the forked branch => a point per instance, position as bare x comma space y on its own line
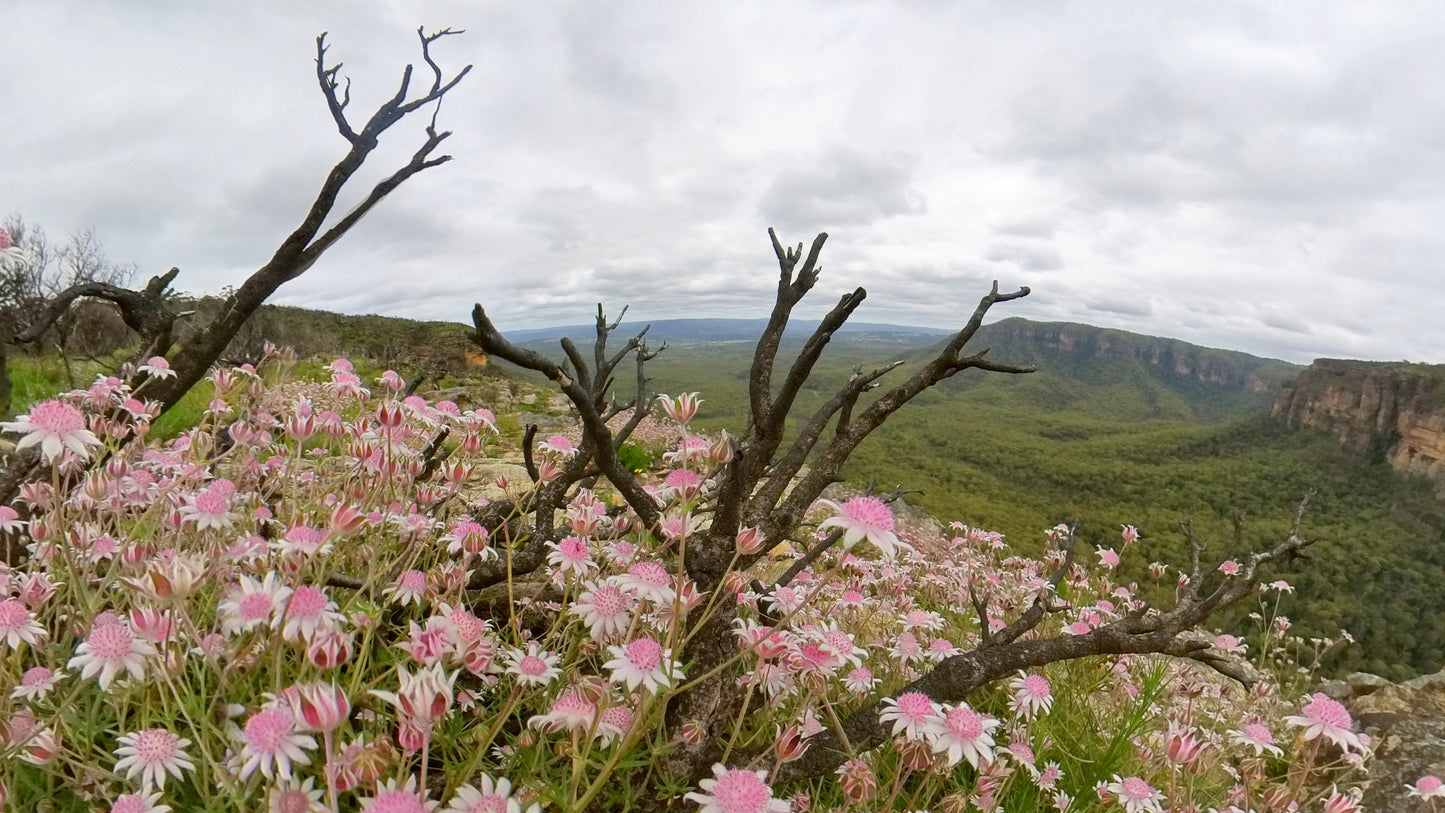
588, 396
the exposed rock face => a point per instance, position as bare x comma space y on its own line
1392, 411
1407, 724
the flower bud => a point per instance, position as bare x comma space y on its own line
390, 415
750, 541
858, 782
321, 706
412, 734
694, 732
329, 649
790, 744
346, 518
680, 409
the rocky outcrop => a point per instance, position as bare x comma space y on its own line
1383, 410
1406, 724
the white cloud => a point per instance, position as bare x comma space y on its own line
1266, 177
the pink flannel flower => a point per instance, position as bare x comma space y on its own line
253, 603
18, 624
394, 797
1428, 786
1328, 718
737, 790
1032, 695
158, 367
1136, 795
54, 426
645, 663
109, 649
209, 508
863, 518
534, 666
488, 796
139, 803
410, 587
36, 683
571, 555
605, 609
308, 611
911, 713
1256, 735
570, 712
152, 754
271, 744
961, 733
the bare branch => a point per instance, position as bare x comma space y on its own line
306, 243
769, 433
790, 291
529, 458
327, 77
595, 431
144, 311
807, 559
1045, 602
958, 676
945, 364
781, 473
981, 609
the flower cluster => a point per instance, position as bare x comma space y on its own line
310, 600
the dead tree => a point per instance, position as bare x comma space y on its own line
297, 253
765, 486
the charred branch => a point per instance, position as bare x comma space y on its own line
144, 311
589, 403
306, 244
791, 289
958, 676
1046, 602
947, 363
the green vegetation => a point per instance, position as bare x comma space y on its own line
1105, 442
37, 377
638, 457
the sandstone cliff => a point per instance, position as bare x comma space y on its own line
1385, 410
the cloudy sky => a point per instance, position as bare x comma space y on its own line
1268, 177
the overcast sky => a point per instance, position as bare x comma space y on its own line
1268, 177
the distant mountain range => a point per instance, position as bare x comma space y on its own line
734, 330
